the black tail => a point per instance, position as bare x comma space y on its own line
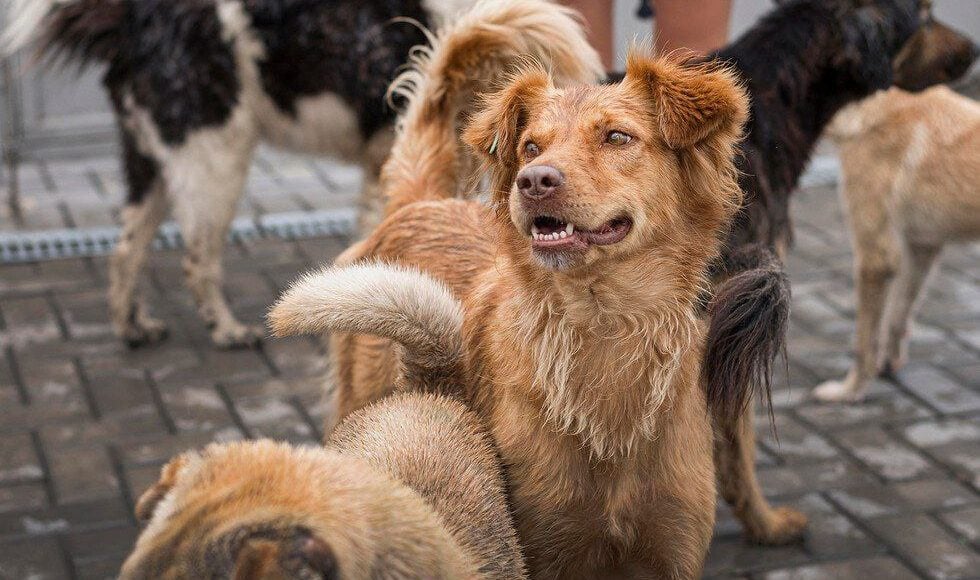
81, 31
748, 316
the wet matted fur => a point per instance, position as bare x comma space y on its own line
910, 184
409, 488
197, 84
585, 358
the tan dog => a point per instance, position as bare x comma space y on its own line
408, 488
910, 174
582, 339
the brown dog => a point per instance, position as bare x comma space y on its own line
911, 165
410, 487
580, 288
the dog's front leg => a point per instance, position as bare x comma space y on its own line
735, 465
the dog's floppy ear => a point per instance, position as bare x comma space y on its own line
494, 131
169, 475
691, 103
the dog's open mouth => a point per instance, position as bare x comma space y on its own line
551, 232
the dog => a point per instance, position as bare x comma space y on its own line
410, 487
802, 63
197, 84
580, 285
910, 167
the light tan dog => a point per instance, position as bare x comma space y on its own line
580, 286
910, 183
410, 487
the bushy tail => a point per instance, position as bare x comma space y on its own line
393, 302
76, 30
748, 317
473, 55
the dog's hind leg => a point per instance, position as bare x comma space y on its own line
876, 258
146, 207
737, 483
206, 178
916, 264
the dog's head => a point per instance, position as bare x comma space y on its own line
264, 510
587, 175
900, 42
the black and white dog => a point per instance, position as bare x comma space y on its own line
196, 84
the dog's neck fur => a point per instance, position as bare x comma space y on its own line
606, 357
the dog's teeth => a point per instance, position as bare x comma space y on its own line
534, 231
563, 234
569, 229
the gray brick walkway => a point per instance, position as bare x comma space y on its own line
891, 485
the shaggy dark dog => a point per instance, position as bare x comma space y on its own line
197, 84
801, 64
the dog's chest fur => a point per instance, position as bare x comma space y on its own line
581, 410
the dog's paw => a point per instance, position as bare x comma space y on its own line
237, 336
837, 392
890, 366
144, 331
785, 525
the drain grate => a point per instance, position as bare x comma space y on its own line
91, 242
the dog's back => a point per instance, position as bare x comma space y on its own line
443, 453
410, 487
926, 148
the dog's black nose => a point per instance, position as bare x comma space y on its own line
539, 181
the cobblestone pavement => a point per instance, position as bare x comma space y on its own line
74, 194
891, 485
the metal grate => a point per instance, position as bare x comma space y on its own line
90, 242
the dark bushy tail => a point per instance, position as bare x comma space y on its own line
82, 31
748, 317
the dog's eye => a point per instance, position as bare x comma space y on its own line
618, 138
531, 149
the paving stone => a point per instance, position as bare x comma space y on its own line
98, 543
891, 406
18, 460
817, 476
943, 431
888, 457
88, 515
795, 442
831, 534
929, 547
940, 390
53, 384
965, 522
29, 321
275, 418
33, 559
934, 493
103, 568
82, 473
734, 556
863, 569
962, 458
22, 496
197, 409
